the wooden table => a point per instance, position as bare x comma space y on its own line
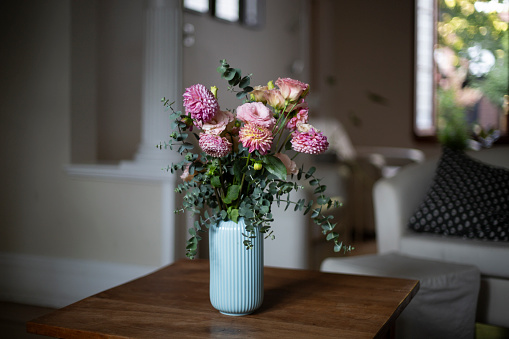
173, 302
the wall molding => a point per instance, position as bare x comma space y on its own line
58, 282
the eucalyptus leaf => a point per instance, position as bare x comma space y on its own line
332, 235
229, 74
235, 80
244, 82
338, 247
221, 69
310, 172
314, 182
320, 189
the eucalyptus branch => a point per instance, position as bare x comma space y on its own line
232, 183
243, 178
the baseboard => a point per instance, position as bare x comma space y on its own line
57, 282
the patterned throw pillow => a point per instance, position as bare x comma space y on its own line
467, 198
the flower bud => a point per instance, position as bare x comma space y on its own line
213, 89
270, 84
258, 166
187, 120
305, 128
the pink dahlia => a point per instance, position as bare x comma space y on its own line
214, 145
200, 103
256, 138
311, 142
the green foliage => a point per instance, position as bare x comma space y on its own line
275, 166
453, 131
496, 83
234, 77
460, 26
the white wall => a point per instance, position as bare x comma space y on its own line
44, 211
46, 214
367, 47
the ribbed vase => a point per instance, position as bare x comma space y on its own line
236, 273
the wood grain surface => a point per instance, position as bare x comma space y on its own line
173, 302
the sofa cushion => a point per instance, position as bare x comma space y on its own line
467, 198
490, 257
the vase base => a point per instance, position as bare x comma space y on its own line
235, 314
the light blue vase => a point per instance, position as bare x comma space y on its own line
236, 273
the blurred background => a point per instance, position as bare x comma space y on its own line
85, 203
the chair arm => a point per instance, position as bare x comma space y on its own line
396, 198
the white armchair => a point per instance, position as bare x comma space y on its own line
361, 166
396, 199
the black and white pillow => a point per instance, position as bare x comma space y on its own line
467, 198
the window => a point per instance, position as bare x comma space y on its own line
227, 10
249, 13
200, 6
462, 72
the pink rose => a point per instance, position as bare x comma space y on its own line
300, 118
275, 99
218, 123
256, 113
258, 94
185, 175
292, 90
291, 166
297, 106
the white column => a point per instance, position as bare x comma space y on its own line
162, 75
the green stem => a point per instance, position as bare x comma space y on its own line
218, 199
284, 143
242, 181
281, 126
281, 115
221, 175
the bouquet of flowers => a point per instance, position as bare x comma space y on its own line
245, 163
